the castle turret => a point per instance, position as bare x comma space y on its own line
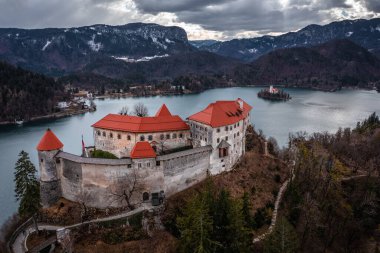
50, 186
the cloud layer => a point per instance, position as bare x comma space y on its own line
218, 19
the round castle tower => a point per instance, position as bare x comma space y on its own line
50, 186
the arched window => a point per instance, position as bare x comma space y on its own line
104, 134
174, 136
142, 138
119, 136
162, 137
128, 137
98, 133
145, 196
111, 135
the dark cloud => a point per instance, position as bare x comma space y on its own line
155, 6
373, 5
241, 15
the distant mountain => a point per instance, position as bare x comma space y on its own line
327, 66
190, 63
365, 33
24, 94
202, 43
59, 51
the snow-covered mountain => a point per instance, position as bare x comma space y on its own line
365, 33
57, 50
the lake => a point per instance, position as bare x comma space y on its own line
308, 110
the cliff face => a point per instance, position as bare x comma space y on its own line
56, 51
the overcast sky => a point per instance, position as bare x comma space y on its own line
202, 19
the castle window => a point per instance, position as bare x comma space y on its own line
196, 136
238, 123
119, 136
218, 130
235, 126
129, 166
42, 160
230, 127
226, 138
139, 165
223, 152
158, 163
162, 137
104, 134
201, 128
174, 136
145, 196
58, 161
205, 139
147, 164
238, 133
181, 135
218, 140
150, 137
128, 137
234, 135
111, 135
206, 129
226, 128
142, 138
168, 136
98, 132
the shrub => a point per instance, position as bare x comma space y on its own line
102, 154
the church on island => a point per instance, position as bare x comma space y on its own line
156, 156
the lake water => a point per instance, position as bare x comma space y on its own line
308, 110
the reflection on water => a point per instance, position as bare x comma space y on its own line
308, 110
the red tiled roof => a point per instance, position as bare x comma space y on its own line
222, 113
134, 124
143, 149
163, 111
49, 142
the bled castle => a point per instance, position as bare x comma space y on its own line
158, 156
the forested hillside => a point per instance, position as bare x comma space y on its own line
24, 94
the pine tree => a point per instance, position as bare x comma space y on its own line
283, 239
246, 211
27, 188
196, 227
229, 227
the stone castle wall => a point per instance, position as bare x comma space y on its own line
100, 182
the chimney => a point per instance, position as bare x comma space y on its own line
240, 101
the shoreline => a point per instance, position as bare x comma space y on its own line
59, 115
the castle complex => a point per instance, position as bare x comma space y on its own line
157, 156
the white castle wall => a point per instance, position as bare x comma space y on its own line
233, 134
117, 142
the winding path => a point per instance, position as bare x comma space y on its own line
19, 244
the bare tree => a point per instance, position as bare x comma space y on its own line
128, 189
84, 197
140, 110
124, 110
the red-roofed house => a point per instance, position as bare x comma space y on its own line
222, 125
118, 134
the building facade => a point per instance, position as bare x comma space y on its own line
172, 156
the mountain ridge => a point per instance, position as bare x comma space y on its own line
361, 31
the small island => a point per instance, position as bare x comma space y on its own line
274, 94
